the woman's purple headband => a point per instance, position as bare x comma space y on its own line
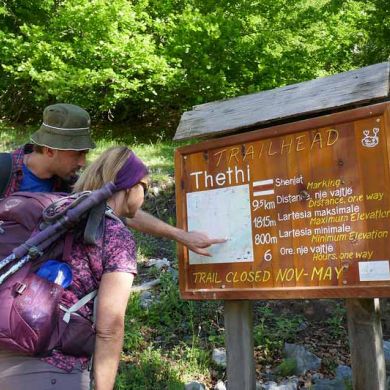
131, 173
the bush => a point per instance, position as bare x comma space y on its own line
152, 371
274, 330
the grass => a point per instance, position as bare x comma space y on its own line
174, 334
337, 322
151, 371
287, 367
272, 331
12, 136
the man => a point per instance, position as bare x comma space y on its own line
58, 151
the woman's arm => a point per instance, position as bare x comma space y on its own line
114, 291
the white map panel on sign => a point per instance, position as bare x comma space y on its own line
222, 213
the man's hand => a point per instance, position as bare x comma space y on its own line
194, 241
198, 242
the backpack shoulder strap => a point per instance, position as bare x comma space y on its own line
79, 304
95, 224
5, 171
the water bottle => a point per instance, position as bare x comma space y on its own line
57, 272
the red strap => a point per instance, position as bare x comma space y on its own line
68, 243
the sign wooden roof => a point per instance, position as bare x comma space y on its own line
327, 94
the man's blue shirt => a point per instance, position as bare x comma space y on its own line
32, 183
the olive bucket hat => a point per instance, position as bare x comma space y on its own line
64, 127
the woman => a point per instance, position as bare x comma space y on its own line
108, 266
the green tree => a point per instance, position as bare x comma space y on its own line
238, 47
95, 53
122, 59
377, 46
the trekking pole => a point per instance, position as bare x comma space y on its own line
34, 250
34, 246
16, 267
67, 221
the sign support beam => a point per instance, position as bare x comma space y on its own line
241, 374
366, 343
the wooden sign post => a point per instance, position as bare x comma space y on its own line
366, 343
241, 372
305, 209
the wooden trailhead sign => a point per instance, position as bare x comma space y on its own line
304, 206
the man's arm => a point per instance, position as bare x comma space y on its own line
195, 241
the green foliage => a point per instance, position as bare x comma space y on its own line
348, 384
134, 338
123, 60
194, 359
328, 363
93, 53
216, 339
245, 46
287, 367
172, 317
152, 371
273, 330
377, 27
12, 136
170, 312
175, 326
336, 323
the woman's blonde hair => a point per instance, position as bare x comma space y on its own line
103, 170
